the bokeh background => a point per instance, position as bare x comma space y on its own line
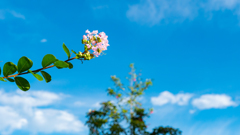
190, 49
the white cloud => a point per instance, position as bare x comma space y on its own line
29, 99
20, 111
7, 13
155, 11
167, 97
10, 120
43, 40
216, 101
192, 111
97, 105
50, 120
79, 103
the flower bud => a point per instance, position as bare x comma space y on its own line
99, 50
94, 38
80, 53
99, 39
84, 41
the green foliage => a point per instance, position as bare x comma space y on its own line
48, 60
39, 77
1, 79
66, 50
165, 131
9, 68
61, 64
46, 76
107, 120
22, 83
10, 79
70, 65
24, 64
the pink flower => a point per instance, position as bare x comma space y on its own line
102, 34
84, 37
93, 42
89, 36
87, 31
95, 32
94, 48
88, 46
99, 44
116, 96
151, 112
97, 47
96, 54
134, 79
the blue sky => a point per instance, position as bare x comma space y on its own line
190, 49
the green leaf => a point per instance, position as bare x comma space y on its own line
10, 79
70, 65
48, 60
66, 50
22, 83
1, 79
61, 64
24, 64
9, 68
46, 76
74, 52
39, 77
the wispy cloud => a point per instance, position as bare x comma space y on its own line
17, 15
100, 7
217, 127
79, 103
4, 13
21, 110
155, 11
192, 111
43, 40
167, 97
216, 101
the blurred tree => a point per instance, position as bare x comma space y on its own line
125, 117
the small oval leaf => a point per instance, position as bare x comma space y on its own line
70, 65
48, 60
39, 77
24, 64
1, 79
9, 68
22, 83
74, 52
66, 50
61, 64
46, 76
10, 79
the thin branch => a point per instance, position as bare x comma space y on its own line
38, 69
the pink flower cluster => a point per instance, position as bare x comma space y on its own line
97, 42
